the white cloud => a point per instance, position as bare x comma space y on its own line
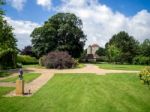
47, 4
17, 4
22, 31
100, 22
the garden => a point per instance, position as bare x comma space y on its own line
59, 79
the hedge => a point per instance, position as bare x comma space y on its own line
141, 60
26, 59
8, 59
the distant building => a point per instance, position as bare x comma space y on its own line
91, 52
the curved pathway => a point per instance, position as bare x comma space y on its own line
47, 74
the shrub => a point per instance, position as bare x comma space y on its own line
58, 59
141, 60
8, 59
42, 60
145, 75
102, 59
26, 60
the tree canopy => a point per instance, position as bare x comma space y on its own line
7, 43
7, 39
128, 46
145, 48
101, 51
62, 32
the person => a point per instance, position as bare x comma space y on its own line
20, 74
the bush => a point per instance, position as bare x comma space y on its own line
141, 60
42, 60
145, 75
102, 59
26, 60
57, 59
8, 59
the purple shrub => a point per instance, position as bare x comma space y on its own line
59, 60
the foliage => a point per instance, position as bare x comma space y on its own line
141, 60
26, 60
62, 32
42, 60
7, 43
58, 59
83, 55
7, 39
128, 46
113, 53
4, 74
8, 59
145, 48
101, 51
145, 75
28, 51
102, 59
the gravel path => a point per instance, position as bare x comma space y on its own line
47, 74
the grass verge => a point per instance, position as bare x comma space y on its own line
28, 77
121, 67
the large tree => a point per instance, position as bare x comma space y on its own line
7, 39
62, 32
128, 46
113, 53
101, 51
145, 48
7, 43
28, 51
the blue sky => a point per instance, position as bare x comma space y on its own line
101, 18
36, 13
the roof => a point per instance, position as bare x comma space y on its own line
95, 45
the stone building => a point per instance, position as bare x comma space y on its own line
91, 52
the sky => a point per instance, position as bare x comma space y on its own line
101, 18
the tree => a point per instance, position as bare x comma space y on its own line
7, 43
7, 39
62, 32
113, 53
28, 51
127, 44
145, 48
101, 51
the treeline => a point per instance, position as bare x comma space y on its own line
123, 48
9, 57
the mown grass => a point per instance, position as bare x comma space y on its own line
28, 77
84, 93
5, 90
120, 67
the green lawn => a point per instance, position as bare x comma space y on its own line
84, 93
120, 67
4, 74
28, 77
5, 90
